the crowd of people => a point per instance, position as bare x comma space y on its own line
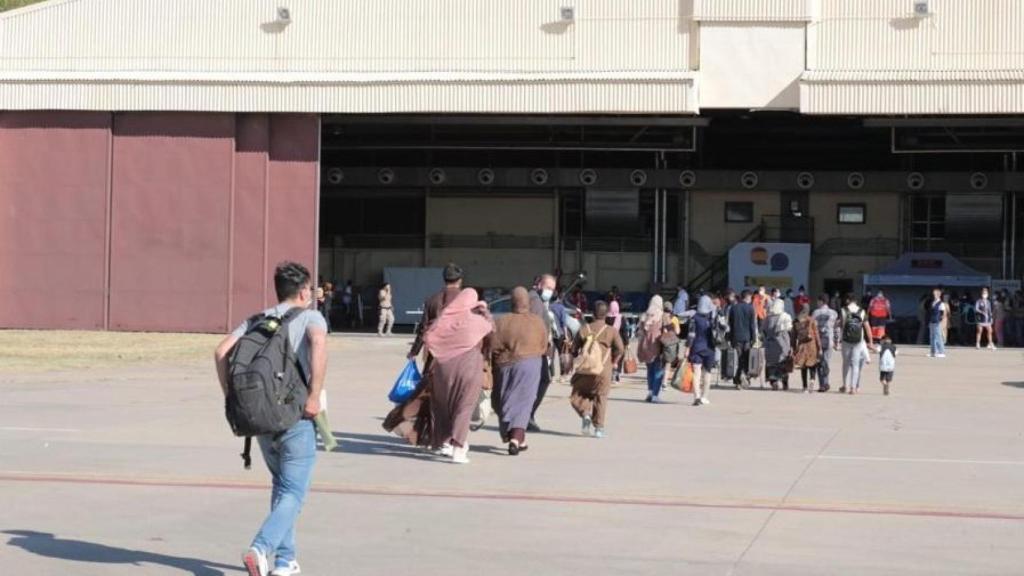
508, 362
476, 362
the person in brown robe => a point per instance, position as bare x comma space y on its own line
457, 340
806, 345
520, 341
412, 420
590, 393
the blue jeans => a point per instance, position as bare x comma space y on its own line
935, 334
290, 457
823, 367
655, 376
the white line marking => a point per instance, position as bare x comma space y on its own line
27, 429
739, 427
920, 460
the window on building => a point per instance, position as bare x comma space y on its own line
851, 213
927, 222
739, 212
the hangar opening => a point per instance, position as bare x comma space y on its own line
642, 203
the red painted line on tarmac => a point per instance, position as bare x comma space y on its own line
557, 499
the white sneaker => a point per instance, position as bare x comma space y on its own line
255, 562
588, 426
705, 401
445, 450
991, 346
598, 432
290, 570
940, 355
460, 455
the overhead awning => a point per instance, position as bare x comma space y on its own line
912, 92
639, 92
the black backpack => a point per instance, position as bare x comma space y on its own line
853, 327
266, 387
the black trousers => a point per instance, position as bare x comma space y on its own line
545, 381
742, 361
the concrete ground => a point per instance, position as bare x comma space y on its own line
133, 470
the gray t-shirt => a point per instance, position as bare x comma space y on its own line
828, 328
297, 329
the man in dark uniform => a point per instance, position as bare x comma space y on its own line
540, 298
742, 335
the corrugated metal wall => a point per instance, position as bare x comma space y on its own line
201, 207
350, 35
885, 35
753, 10
626, 93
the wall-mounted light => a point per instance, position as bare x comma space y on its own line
284, 15
568, 13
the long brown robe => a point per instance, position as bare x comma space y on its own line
806, 352
455, 392
520, 340
590, 393
412, 420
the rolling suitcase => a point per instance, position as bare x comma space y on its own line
755, 368
729, 361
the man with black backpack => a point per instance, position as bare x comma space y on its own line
857, 340
271, 370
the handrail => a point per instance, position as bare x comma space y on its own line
706, 279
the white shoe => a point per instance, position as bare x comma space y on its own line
598, 432
940, 355
991, 346
445, 450
290, 570
588, 426
705, 401
255, 562
460, 455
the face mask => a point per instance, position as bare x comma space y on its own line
546, 295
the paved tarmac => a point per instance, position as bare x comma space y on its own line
134, 471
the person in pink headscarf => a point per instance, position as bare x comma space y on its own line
456, 341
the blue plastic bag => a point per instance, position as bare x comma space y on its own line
406, 384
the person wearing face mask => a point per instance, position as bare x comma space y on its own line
540, 302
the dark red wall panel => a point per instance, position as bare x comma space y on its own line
294, 149
172, 179
249, 267
151, 221
53, 213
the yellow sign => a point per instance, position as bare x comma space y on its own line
780, 282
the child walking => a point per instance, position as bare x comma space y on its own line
886, 363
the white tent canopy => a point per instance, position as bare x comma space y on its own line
906, 280
928, 269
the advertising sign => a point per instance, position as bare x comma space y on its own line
774, 265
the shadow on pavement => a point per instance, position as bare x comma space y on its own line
379, 445
50, 546
1014, 384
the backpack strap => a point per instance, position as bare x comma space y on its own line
247, 453
286, 319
